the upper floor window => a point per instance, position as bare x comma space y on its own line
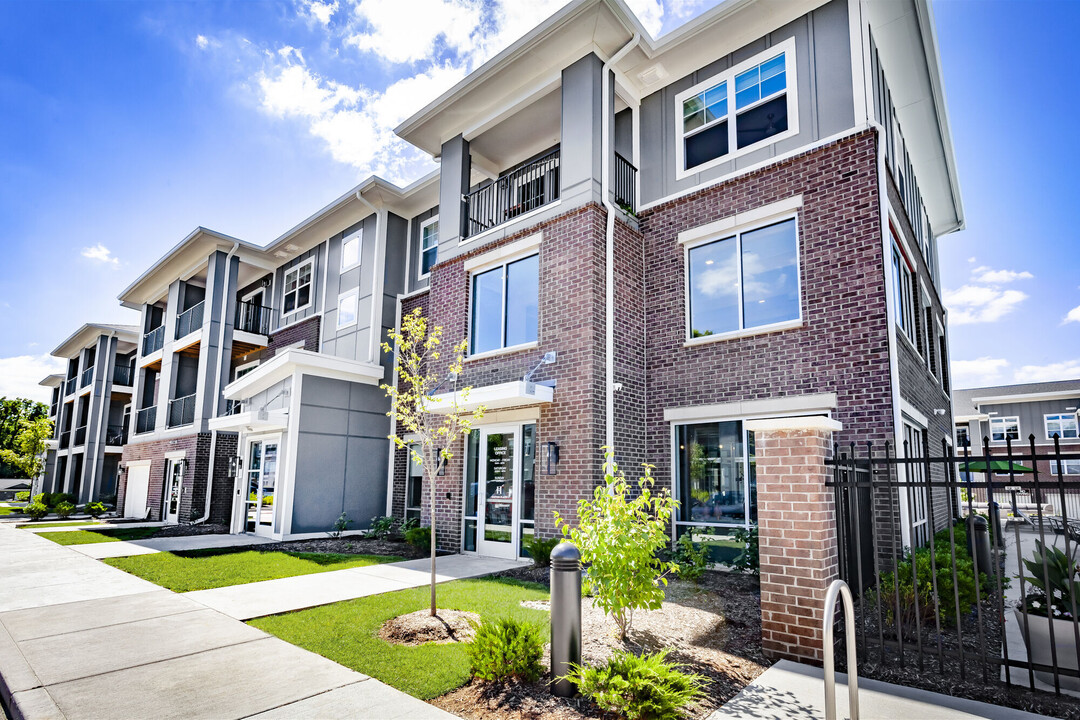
505, 305
429, 245
737, 110
1004, 428
1064, 426
350, 250
745, 281
347, 309
904, 299
297, 288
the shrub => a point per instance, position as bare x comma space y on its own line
51, 500
64, 510
419, 537
96, 509
618, 537
408, 524
690, 562
340, 525
36, 510
23, 496
1058, 584
381, 527
506, 648
539, 549
637, 688
747, 560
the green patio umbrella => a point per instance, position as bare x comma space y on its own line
996, 466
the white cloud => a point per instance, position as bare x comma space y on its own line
321, 12
1067, 370
978, 372
202, 42
979, 304
101, 254
404, 37
984, 274
20, 375
971, 259
650, 13
1072, 316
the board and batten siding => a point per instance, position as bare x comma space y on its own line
1032, 420
826, 106
354, 341
315, 307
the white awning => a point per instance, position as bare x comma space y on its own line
252, 421
494, 397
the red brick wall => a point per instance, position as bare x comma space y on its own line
305, 330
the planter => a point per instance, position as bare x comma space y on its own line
1037, 639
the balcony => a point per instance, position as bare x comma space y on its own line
145, 420
123, 375
53, 409
189, 321
87, 377
153, 340
65, 439
80, 436
116, 435
624, 183
519, 191
69, 386
181, 411
252, 318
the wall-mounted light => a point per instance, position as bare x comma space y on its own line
234, 466
442, 465
551, 458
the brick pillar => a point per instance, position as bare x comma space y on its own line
796, 532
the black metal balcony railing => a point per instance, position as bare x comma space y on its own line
182, 411
145, 419
253, 318
123, 375
80, 436
87, 377
519, 191
233, 407
153, 340
69, 385
189, 321
65, 439
116, 435
624, 183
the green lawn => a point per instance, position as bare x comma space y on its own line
347, 632
75, 523
204, 569
110, 534
11, 509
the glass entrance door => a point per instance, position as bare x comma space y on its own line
498, 455
174, 486
262, 461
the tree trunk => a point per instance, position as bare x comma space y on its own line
432, 473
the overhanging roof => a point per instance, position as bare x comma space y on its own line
285, 363
52, 380
90, 332
517, 393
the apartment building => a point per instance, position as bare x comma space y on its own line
90, 405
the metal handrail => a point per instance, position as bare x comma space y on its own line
154, 340
839, 587
190, 320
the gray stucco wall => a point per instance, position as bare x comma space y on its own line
826, 107
341, 454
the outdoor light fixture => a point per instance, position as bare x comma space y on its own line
234, 466
442, 465
551, 458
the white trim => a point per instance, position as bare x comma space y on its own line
914, 415
1061, 416
1005, 399
748, 332
355, 236
503, 395
302, 362
291, 443
741, 221
138, 463
806, 422
177, 455
252, 421
285, 281
798, 404
253, 364
1005, 421
517, 250
355, 293
787, 47
504, 351
420, 274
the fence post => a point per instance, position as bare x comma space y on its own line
797, 533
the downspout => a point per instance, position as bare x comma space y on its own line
217, 388
101, 415
606, 148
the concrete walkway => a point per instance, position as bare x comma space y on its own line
82, 640
126, 548
271, 597
790, 691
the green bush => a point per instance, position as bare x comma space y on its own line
408, 524
747, 560
690, 561
36, 510
419, 537
23, 496
64, 510
41, 498
381, 527
340, 525
539, 549
51, 500
639, 688
1057, 582
506, 648
96, 509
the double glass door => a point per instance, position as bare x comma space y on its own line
262, 462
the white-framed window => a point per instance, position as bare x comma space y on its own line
742, 108
414, 485
297, 288
350, 250
505, 305
429, 245
904, 299
1004, 428
1068, 467
1062, 425
242, 370
744, 281
347, 303
912, 474
963, 439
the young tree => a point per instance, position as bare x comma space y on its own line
413, 403
29, 446
13, 411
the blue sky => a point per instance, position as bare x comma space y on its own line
124, 125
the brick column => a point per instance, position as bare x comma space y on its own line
796, 532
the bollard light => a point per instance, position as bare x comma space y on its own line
565, 615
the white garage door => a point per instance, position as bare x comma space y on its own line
138, 482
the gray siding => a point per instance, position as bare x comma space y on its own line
316, 305
1031, 419
826, 107
351, 342
412, 278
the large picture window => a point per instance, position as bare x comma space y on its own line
1064, 426
429, 245
297, 293
1004, 428
745, 281
505, 306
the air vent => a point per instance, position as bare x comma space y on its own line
652, 75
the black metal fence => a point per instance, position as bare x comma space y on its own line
625, 183
181, 411
942, 592
253, 318
521, 190
190, 320
153, 340
146, 419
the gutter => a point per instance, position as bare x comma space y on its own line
607, 148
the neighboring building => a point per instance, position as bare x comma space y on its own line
90, 407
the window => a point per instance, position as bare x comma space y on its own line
429, 245
297, 294
745, 281
243, 370
350, 250
1003, 428
912, 474
1064, 426
347, 309
414, 487
962, 438
944, 360
506, 305
736, 110
1068, 467
905, 309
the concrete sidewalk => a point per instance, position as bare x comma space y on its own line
82, 640
126, 548
271, 597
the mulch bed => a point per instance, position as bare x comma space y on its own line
713, 627
347, 545
420, 627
